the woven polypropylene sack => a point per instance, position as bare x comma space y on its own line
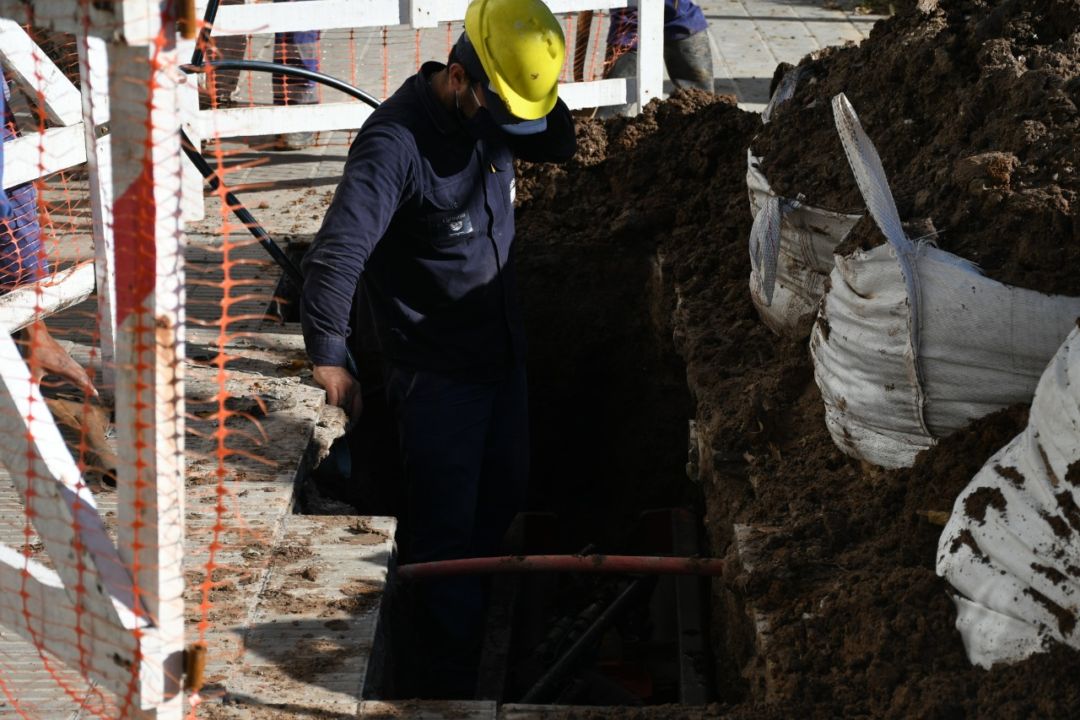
1011, 543
791, 254
913, 343
981, 346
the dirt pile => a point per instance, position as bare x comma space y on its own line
843, 573
972, 105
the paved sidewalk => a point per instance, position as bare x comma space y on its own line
750, 37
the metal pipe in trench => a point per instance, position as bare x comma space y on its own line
570, 659
617, 564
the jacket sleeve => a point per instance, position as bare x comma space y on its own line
377, 179
557, 143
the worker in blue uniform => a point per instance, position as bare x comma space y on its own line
687, 54
424, 213
22, 261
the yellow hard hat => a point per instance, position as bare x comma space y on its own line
521, 46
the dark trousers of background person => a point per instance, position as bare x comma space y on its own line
296, 49
688, 62
465, 456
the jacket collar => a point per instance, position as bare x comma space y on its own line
444, 120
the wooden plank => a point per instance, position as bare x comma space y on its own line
192, 206
37, 75
35, 604
29, 303
94, 83
309, 15
32, 156
269, 120
146, 166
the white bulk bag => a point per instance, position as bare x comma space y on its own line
912, 343
1011, 547
791, 254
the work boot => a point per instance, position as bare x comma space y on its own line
689, 62
294, 141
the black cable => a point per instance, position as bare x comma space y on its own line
241, 212
234, 204
290, 70
204, 33
253, 226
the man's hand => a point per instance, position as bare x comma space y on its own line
341, 387
47, 357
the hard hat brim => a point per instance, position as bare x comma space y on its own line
522, 107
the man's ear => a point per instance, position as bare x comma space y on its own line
458, 76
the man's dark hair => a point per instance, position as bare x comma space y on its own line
465, 55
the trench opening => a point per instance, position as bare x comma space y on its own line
610, 413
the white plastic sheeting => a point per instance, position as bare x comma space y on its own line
911, 342
1011, 547
791, 254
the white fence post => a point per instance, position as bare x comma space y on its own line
146, 177
94, 79
650, 69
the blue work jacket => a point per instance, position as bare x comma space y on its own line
423, 213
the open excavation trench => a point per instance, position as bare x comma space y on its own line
610, 414
634, 271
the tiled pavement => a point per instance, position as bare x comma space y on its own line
750, 37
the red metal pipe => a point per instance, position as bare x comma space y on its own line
623, 564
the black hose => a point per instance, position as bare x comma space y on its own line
204, 34
253, 226
290, 70
242, 212
234, 204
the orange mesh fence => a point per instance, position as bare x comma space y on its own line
157, 404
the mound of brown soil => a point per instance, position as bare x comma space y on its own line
972, 105
858, 622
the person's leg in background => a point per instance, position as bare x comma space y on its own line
621, 58
218, 89
689, 61
687, 53
296, 49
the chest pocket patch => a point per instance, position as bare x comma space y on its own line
449, 228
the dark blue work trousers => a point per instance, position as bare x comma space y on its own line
465, 456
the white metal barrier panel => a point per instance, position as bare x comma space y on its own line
413, 18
